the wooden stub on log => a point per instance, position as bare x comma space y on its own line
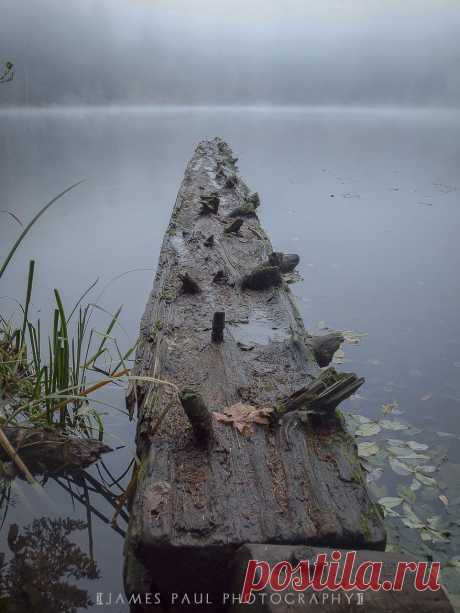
288, 482
267, 600
198, 414
218, 325
325, 346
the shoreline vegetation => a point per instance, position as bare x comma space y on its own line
49, 417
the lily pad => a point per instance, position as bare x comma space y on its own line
368, 429
417, 446
429, 481
399, 468
392, 425
367, 449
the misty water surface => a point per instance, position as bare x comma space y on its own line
369, 199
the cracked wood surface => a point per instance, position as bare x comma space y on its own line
289, 484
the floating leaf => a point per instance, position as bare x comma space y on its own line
406, 493
417, 446
353, 337
426, 469
361, 419
426, 397
367, 449
415, 485
390, 501
339, 356
399, 468
429, 481
367, 429
392, 425
374, 475
389, 407
444, 500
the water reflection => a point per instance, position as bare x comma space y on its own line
43, 567
43, 559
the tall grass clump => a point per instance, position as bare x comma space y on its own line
44, 378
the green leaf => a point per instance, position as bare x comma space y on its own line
399, 468
367, 449
368, 429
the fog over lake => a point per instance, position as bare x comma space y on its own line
295, 52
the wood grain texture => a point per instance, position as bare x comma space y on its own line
289, 483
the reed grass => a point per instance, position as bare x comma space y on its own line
44, 378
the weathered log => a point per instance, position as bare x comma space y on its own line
325, 346
48, 451
198, 414
194, 507
218, 325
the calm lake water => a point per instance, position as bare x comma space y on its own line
369, 199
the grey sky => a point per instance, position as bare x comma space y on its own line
232, 52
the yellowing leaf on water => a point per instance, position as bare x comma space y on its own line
353, 337
444, 500
429, 481
417, 446
242, 416
339, 356
389, 407
367, 449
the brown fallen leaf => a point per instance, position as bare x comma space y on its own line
444, 500
242, 416
389, 407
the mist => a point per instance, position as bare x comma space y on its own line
174, 52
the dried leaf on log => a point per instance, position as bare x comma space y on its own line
242, 416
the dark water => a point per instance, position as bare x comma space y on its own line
368, 198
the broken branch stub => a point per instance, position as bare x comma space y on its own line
324, 394
262, 277
285, 261
197, 414
218, 325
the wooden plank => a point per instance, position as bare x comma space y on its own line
290, 482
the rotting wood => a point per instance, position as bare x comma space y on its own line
286, 262
325, 346
198, 415
301, 484
262, 277
218, 325
48, 451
